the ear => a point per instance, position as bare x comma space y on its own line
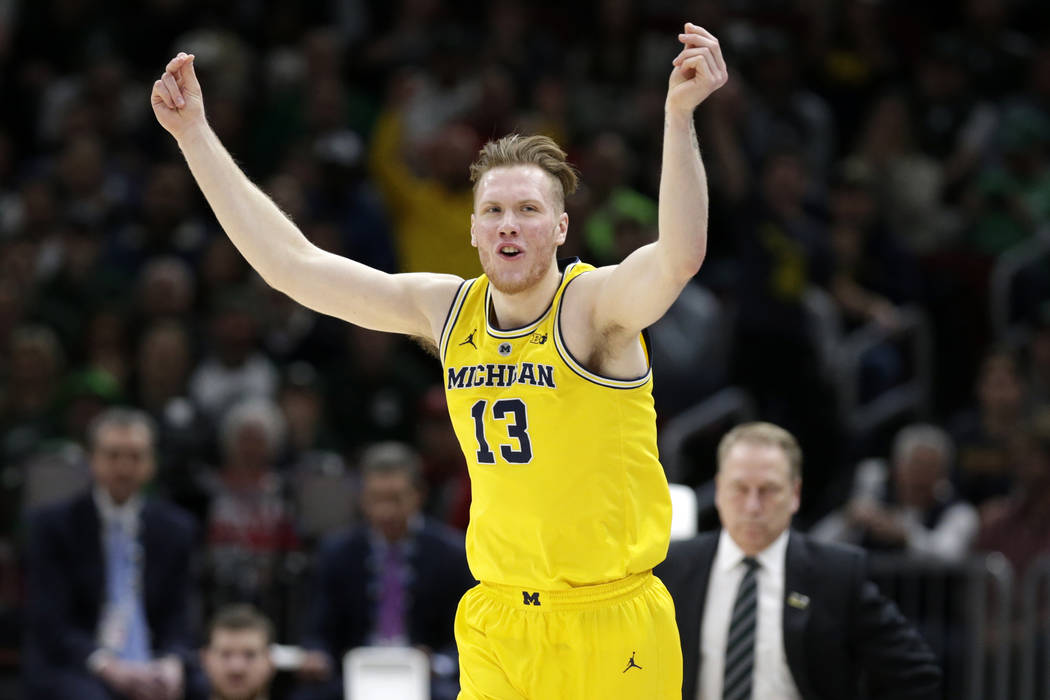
796, 497
562, 229
473, 237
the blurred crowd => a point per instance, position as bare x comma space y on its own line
876, 155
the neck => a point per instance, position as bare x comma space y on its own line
510, 310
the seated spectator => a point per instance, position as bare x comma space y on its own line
235, 367
395, 581
1017, 525
108, 590
249, 524
237, 659
909, 505
982, 432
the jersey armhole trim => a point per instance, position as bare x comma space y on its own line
453, 315
573, 364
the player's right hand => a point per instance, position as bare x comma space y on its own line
177, 100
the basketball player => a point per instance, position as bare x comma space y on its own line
548, 384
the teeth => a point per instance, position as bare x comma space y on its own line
508, 249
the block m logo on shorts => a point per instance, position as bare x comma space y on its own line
531, 598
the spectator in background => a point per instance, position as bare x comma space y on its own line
763, 608
109, 579
783, 256
167, 288
237, 659
1010, 199
374, 391
249, 524
234, 368
873, 274
783, 109
320, 481
446, 482
982, 433
606, 169
35, 364
910, 183
952, 124
166, 222
908, 505
395, 581
429, 202
160, 387
1016, 525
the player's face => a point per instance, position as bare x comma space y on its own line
122, 460
238, 664
756, 495
517, 225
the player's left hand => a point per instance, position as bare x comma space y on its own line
698, 70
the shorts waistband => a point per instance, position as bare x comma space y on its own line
568, 598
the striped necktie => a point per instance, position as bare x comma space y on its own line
740, 647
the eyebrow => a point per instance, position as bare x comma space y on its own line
487, 202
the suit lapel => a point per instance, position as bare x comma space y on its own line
692, 611
88, 533
798, 590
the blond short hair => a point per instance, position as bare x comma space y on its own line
515, 149
760, 433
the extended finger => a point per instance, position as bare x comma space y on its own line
161, 95
173, 88
175, 63
690, 39
696, 29
698, 36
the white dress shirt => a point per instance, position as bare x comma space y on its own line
771, 676
126, 513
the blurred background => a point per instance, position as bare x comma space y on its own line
878, 259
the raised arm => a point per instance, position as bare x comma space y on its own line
636, 293
414, 304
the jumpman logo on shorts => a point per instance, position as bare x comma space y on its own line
470, 339
631, 664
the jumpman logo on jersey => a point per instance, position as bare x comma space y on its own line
470, 339
631, 664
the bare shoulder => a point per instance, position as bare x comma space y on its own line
599, 343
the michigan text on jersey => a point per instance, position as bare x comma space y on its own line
529, 373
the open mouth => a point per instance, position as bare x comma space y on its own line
509, 252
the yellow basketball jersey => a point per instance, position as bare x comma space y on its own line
567, 489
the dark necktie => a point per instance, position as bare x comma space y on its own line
740, 647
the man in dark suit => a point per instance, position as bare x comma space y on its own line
394, 581
765, 612
109, 582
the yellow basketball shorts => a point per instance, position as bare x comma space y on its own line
610, 641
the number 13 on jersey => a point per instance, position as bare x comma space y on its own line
518, 448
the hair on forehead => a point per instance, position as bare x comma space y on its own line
765, 434
240, 617
120, 417
515, 149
